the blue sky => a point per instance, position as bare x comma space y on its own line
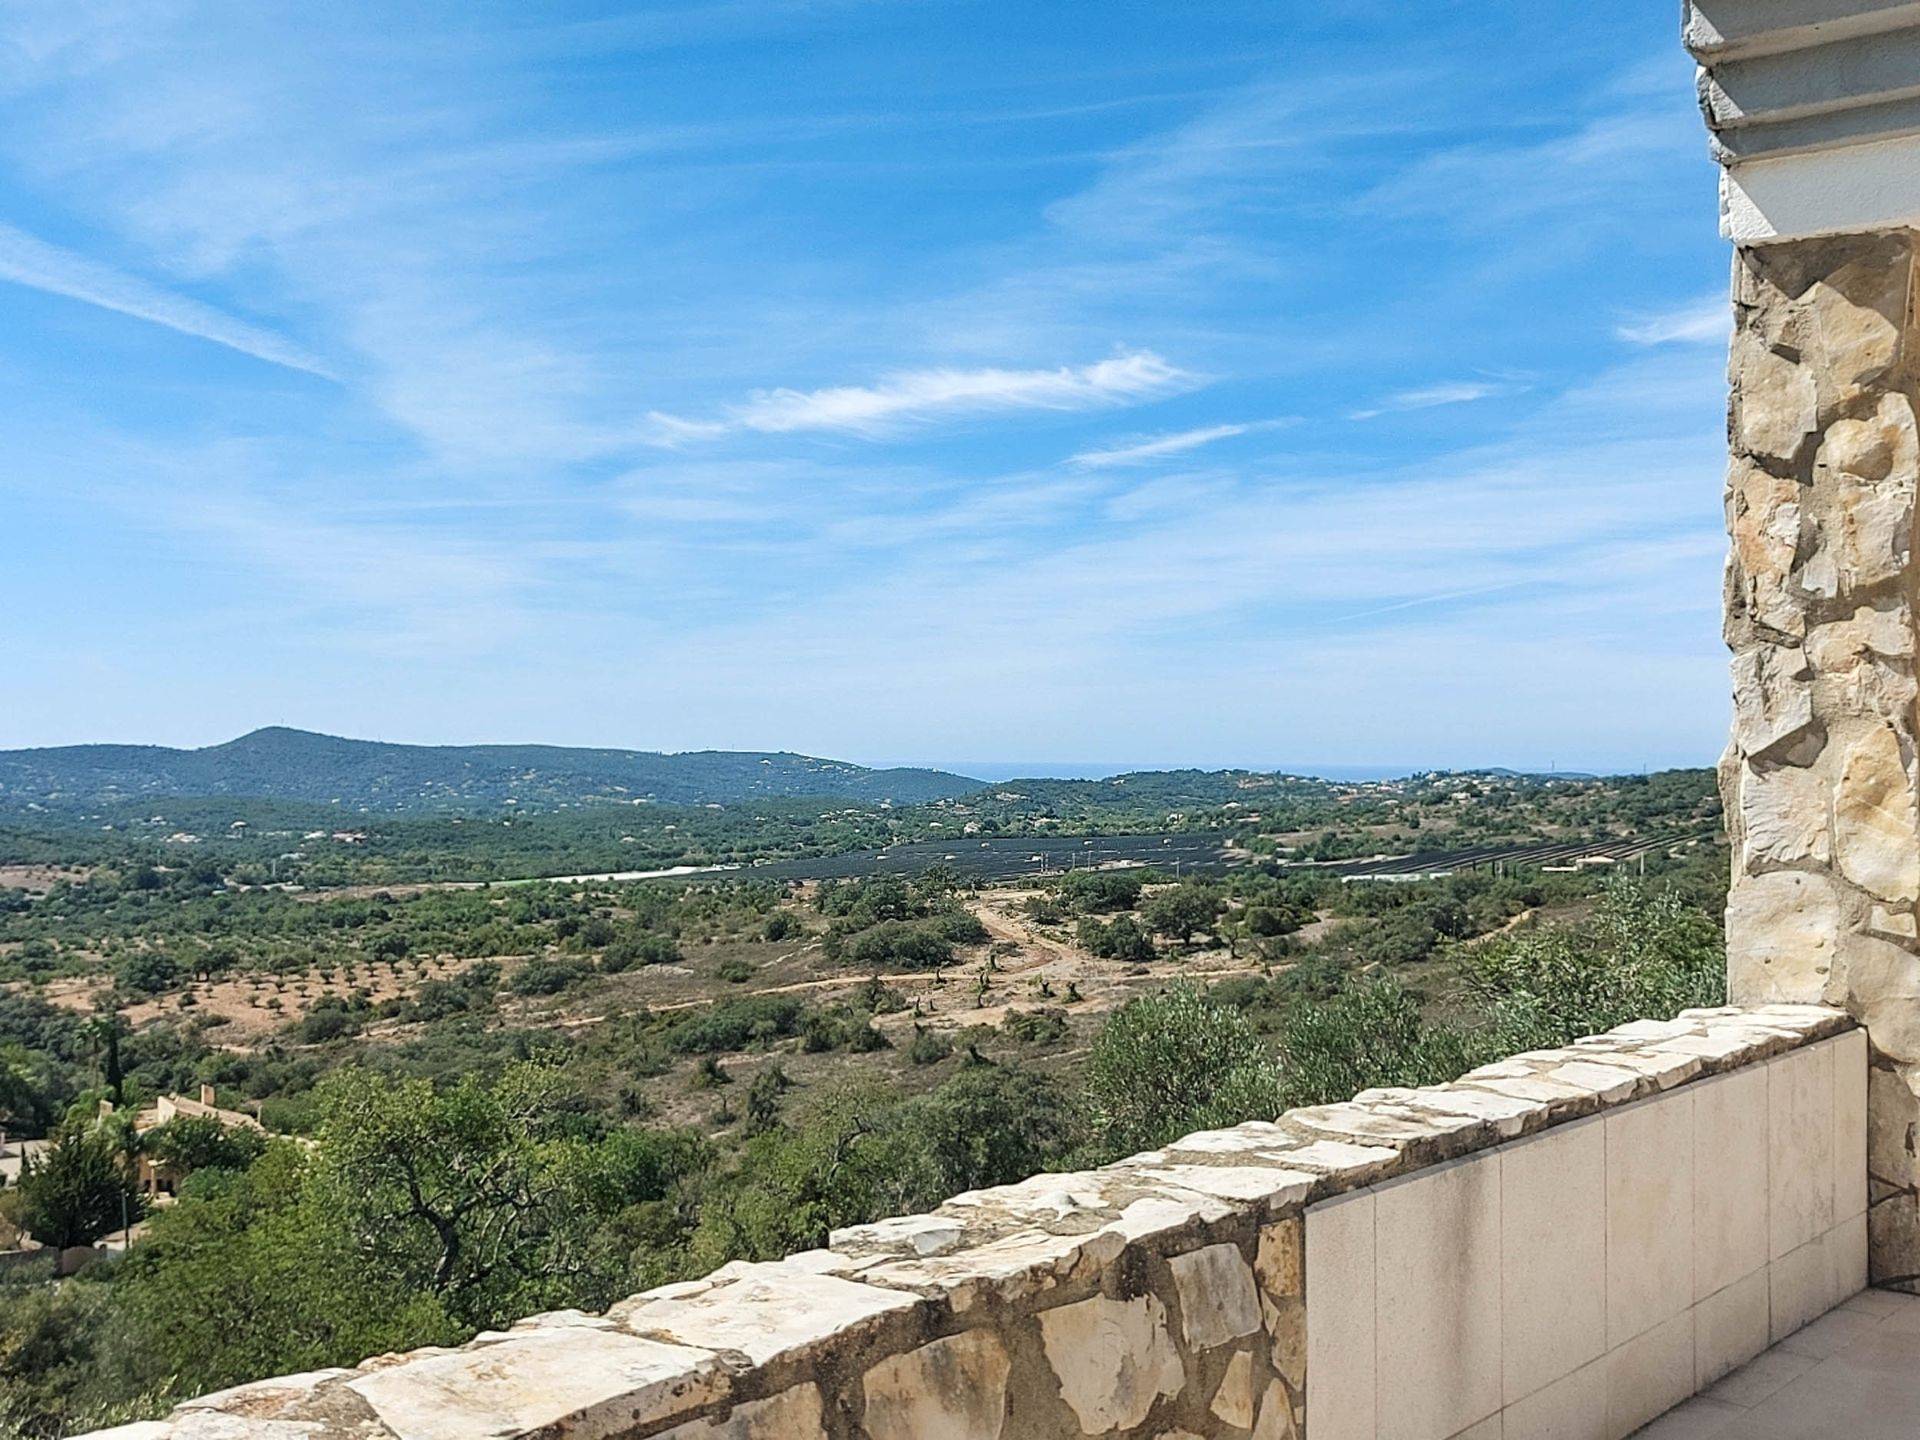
965, 381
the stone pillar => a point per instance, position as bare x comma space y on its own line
1820, 782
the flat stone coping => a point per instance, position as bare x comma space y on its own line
749, 1350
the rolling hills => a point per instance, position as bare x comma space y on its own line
374, 776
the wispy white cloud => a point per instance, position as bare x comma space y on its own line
1707, 321
919, 396
1429, 397
1146, 450
30, 261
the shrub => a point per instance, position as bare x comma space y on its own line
541, 976
732, 1024
1173, 1062
1036, 1027
1117, 939
1100, 889
326, 1022
1642, 954
631, 951
1370, 1034
929, 1047
899, 944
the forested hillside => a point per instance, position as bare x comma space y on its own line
297, 765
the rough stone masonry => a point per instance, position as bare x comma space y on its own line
1819, 778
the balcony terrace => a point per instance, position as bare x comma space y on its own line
1571, 1243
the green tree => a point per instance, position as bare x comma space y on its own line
79, 1188
1643, 953
476, 1194
1181, 911
1174, 1062
1368, 1034
188, 1143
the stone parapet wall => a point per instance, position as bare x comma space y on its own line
1188, 1293
1585, 1279
1820, 779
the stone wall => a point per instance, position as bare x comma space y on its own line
1227, 1287
1581, 1281
1820, 776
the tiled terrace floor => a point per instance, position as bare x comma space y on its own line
1853, 1374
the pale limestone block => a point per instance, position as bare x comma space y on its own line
1729, 1328
794, 1414
1553, 1255
1802, 1018
1535, 1088
1849, 1124
1649, 1375
220, 1425
1882, 981
1609, 1082
1437, 1278
1723, 1045
1764, 518
766, 1312
1148, 1217
1286, 1325
1649, 1215
1783, 817
1508, 1114
1872, 637
1499, 1070
1866, 531
1573, 1407
1893, 922
135, 1430
586, 1383
1268, 1185
1487, 1429
1774, 401
952, 1389
1342, 1160
1799, 1148
1013, 1268
1664, 1068
1341, 1310
1113, 1359
270, 1398
1233, 1401
1884, 445
1256, 1136
1856, 324
1217, 1300
1773, 704
1277, 1262
1798, 1284
1730, 1179
1357, 1122
1783, 930
1276, 1415
1041, 1197
903, 1234
1875, 829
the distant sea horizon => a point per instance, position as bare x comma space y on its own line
996, 771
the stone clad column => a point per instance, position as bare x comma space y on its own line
1820, 778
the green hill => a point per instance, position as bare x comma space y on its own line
366, 775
